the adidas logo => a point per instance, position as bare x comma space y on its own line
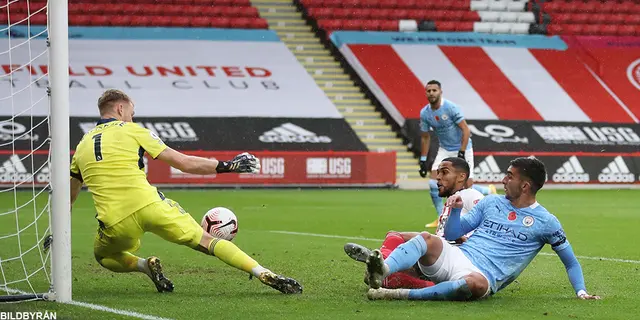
291, 133
14, 171
571, 171
488, 171
616, 171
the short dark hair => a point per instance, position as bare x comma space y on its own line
459, 164
110, 97
532, 169
435, 82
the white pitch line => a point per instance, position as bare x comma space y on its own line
380, 240
96, 307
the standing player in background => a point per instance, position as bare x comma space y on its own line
109, 160
509, 231
452, 175
454, 136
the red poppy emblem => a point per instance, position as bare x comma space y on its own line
437, 118
512, 216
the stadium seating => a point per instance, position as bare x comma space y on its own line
606, 18
426, 15
144, 13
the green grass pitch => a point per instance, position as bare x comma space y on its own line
598, 224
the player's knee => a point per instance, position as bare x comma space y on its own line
477, 284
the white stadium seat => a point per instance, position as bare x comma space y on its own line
482, 27
489, 16
501, 28
516, 6
479, 5
509, 16
526, 17
407, 25
498, 5
520, 28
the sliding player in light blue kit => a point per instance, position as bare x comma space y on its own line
509, 232
449, 125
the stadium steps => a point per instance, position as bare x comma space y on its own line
284, 18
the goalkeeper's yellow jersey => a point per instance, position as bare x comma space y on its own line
109, 159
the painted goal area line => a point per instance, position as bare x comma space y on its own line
380, 241
95, 307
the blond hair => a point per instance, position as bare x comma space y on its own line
109, 98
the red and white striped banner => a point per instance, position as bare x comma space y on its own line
502, 83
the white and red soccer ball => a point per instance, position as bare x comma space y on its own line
221, 223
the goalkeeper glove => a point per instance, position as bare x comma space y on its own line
423, 167
461, 154
242, 163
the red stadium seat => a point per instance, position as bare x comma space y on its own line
361, 13
240, 23
573, 29
340, 13
114, 9
351, 4
609, 30
446, 26
121, 20
627, 30
371, 25
470, 16
133, 9
259, 23
200, 22
466, 26
182, 21
352, 25
388, 4
462, 5
618, 18
141, 21
220, 22
562, 18
633, 19
97, 20
174, 10
406, 4
389, 25
586, 7
607, 7
152, 10
380, 14
320, 13
591, 29
555, 29
580, 18
79, 20
39, 19
399, 14
330, 24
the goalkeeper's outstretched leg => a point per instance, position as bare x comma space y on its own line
230, 254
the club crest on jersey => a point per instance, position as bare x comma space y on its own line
512, 216
528, 221
445, 117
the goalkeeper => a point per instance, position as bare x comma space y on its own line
109, 160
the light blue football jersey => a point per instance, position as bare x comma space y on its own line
444, 122
506, 239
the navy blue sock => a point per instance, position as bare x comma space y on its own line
448, 290
437, 200
406, 255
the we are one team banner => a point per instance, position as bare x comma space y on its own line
167, 71
500, 77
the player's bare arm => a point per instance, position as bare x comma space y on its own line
242, 163
466, 133
76, 187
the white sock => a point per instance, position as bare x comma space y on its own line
385, 270
258, 270
143, 266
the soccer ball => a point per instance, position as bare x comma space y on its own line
221, 223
